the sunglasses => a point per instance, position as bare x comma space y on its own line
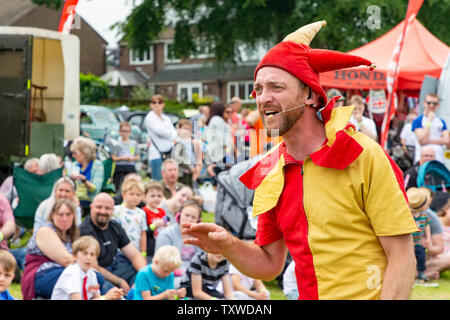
157, 102
432, 102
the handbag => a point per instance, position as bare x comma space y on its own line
164, 155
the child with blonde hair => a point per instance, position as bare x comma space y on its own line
156, 281
78, 281
7, 268
131, 217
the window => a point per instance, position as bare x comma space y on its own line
145, 58
241, 89
188, 89
168, 54
204, 50
249, 53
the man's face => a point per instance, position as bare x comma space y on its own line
431, 104
170, 173
102, 208
426, 155
236, 105
276, 91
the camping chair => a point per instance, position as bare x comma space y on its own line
108, 185
32, 190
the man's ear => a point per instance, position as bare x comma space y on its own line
313, 98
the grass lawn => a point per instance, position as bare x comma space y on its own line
441, 292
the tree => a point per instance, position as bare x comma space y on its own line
221, 25
92, 89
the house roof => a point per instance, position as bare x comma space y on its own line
126, 78
203, 72
13, 10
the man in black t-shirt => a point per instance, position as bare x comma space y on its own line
119, 259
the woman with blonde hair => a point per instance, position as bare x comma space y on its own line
87, 171
49, 251
64, 188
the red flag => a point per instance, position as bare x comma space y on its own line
394, 66
68, 13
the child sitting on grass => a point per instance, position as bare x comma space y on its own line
156, 216
78, 281
7, 271
418, 204
132, 218
156, 281
203, 276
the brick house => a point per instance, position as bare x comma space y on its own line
25, 13
181, 79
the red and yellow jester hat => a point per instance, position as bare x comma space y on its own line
295, 56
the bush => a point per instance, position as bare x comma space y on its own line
92, 89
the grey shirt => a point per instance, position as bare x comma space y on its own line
129, 148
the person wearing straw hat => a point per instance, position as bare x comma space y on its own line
419, 203
327, 193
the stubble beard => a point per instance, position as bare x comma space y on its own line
287, 120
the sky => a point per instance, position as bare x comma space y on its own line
101, 14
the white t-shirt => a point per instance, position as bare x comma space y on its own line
368, 123
71, 281
289, 279
162, 133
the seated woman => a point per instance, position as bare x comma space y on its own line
86, 171
49, 251
49, 162
173, 205
64, 188
190, 213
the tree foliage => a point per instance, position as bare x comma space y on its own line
92, 89
223, 24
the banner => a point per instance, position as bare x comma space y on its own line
392, 74
68, 13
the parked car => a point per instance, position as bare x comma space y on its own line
136, 118
98, 122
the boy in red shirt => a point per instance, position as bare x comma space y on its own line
156, 216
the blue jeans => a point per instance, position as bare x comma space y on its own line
421, 257
19, 255
155, 166
45, 281
122, 268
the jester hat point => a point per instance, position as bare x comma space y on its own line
294, 55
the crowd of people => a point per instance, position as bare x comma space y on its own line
89, 244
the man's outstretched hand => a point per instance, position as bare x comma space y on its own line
208, 236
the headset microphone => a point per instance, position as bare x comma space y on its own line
305, 104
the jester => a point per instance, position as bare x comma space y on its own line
327, 193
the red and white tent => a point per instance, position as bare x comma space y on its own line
422, 54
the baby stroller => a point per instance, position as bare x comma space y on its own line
433, 175
234, 210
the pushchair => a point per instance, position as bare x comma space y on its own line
433, 175
233, 209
